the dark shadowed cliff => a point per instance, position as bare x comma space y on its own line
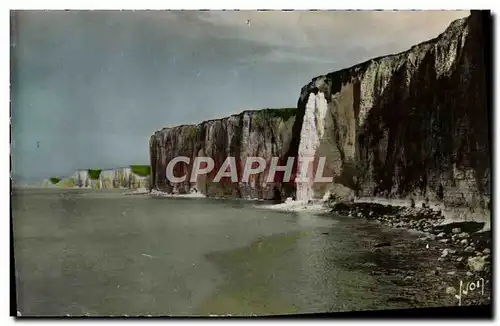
264, 133
413, 124
409, 125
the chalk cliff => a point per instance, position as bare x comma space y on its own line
254, 133
109, 178
408, 125
413, 124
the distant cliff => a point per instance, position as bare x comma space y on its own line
413, 124
258, 133
132, 177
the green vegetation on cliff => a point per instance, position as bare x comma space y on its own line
54, 180
259, 118
94, 174
141, 170
282, 113
192, 132
66, 182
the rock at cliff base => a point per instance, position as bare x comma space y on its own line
382, 244
469, 249
451, 290
476, 264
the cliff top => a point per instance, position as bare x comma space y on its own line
344, 74
274, 112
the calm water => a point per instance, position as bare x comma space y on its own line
102, 253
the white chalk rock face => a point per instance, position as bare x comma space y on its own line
122, 178
310, 136
82, 179
47, 184
107, 179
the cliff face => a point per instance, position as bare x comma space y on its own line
414, 124
409, 125
264, 133
112, 178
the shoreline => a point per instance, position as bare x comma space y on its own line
452, 253
461, 250
449, 214
457, 250
298, 206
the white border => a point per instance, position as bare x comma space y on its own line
250, 5
5, 163
186, 4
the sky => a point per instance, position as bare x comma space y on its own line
89, 88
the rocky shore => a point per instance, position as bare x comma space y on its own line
458, 254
